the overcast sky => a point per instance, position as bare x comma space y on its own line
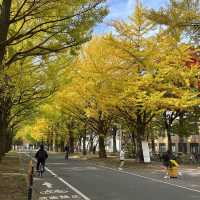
121, 9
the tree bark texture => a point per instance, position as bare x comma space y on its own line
4, 26
114, 134
102, 150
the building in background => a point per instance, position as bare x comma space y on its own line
180, 144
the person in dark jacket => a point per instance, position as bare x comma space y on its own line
41, 156
166, 161
66, 152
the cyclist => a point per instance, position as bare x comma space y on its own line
41, 157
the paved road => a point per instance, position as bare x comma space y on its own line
97, 183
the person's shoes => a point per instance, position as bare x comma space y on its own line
120, 168
166, 177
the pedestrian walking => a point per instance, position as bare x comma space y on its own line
66, 152
192, 158
166, 162
122, 158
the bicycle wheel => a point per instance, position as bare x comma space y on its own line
41, 169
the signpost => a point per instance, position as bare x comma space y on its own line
146, 154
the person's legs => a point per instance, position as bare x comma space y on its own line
43, 164
121, 164
38, 164
167, 171
66, 156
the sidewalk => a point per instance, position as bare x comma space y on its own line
13, 184
114, 161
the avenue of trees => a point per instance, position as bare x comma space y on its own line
143, 77
34, 35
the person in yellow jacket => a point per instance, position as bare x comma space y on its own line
173, 169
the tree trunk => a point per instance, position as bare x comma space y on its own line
139, 149
62, 145
80, 143
114, 134
4, 26
2, 140
91, 143
71, 141
168, 119
140, 128
3, 133
133, 143
8, 143
51, 142
56, 143
153, 146
84, 143
102, 150
169, 137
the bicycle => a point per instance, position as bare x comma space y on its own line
41, 170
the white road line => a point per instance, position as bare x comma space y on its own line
62, 180
148, 178
66, 183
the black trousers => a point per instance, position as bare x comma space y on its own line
38, 164
66, 155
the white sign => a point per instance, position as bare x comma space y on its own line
146, 154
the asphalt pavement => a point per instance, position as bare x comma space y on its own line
79, 179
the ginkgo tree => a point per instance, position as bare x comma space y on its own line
31, 32
181, 17
157, 77
93, 89
136, 74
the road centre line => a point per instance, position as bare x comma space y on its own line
62, 180
148, 178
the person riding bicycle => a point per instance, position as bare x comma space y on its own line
41, 156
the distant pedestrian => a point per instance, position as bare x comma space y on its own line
122, 158
192, 158
166, 162
66, 152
